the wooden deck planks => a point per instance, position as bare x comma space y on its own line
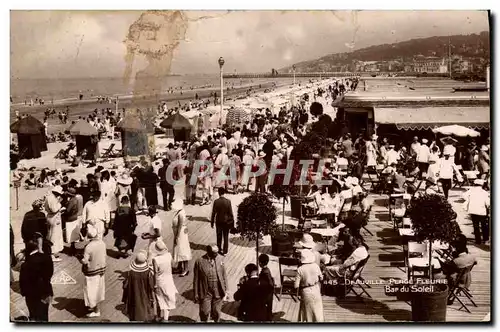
384, 249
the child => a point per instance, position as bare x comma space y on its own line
266, 278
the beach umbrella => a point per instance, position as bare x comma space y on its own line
176, 121
456, 130
82, 128
237, 116
27, 126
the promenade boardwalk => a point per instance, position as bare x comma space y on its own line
386, 262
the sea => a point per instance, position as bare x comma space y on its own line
22, 90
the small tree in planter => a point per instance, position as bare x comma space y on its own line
256, 218
433, 219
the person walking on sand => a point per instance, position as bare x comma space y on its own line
94, 266
210, 284
182, 249
165, 289
54, 209
138, 290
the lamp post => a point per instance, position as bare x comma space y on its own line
293, 68
221, 64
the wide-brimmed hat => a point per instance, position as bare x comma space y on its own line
484, 148
57, 189
124, 179
140, 262
307, 257
160, 247
177, 204
424, 141
307, 241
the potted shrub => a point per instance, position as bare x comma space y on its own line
256, 218
433, 219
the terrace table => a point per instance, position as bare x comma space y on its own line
326, 233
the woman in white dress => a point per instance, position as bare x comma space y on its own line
182, 249
165, 289
308, 281
54, 209
371, 152
108, 189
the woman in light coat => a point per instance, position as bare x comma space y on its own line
54, 209
182, 249
165, 289
308, 281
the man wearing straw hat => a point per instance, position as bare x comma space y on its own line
94, 266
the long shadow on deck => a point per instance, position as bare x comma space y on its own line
198, 218
367, 306
74, 306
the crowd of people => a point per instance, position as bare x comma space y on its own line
111, 200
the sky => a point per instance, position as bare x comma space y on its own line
74, 44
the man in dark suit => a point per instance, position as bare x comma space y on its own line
252, 296
267, 281
210, 284
34, 281
222, 216
34, 221
167, 189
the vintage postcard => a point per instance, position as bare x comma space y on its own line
250, 166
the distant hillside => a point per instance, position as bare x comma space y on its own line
474, 45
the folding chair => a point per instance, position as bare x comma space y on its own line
288, 276
356, 280
458, 288
109, 153
415, 250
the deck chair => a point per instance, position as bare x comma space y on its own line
287, 277
109, 153
458, 288
357, 281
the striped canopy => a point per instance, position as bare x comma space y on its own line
237, 116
